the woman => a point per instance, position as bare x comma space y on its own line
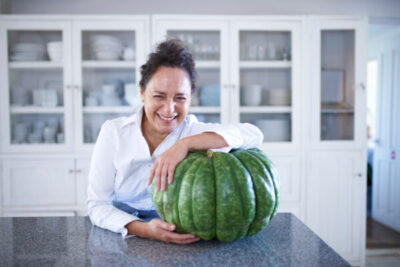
130, 151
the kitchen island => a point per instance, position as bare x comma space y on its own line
74, 241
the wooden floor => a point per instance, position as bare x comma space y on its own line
381, 236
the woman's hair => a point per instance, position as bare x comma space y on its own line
170, 53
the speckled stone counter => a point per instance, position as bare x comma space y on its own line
73, 241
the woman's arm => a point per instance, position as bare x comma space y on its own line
165, 164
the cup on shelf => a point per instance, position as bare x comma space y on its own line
19, 96
251, 95
20, 132
91, 101
49, 135
35, 138
60, 138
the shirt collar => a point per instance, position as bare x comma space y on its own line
134, 118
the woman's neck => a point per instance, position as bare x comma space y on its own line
153, 139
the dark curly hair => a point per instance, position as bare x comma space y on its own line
170, 53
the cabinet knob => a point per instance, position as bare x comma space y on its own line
359, 175
71, 170
78, 171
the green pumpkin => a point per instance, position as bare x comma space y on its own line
220, 195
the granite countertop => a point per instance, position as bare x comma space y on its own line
74, 241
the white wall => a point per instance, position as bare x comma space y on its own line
371, 8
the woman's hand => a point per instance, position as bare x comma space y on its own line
160, 230
164, 167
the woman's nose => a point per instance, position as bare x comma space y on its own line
169, 107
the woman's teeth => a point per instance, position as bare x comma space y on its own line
167, 119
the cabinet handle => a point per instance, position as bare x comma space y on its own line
359, 175
68, 87
78, 171
77, 87
71, 171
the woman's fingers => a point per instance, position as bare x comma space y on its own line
164, 173
151, 175
157, 175
171, 170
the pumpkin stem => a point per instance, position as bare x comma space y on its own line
209, 153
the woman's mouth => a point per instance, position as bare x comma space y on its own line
167, 119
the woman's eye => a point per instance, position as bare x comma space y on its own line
158, 96
181, 98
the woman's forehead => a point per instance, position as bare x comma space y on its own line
170, 80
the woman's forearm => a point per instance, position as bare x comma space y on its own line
204, 140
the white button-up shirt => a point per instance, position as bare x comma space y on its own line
121, 164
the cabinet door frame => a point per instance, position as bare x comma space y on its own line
138, 24
292, 25
40, 25
314, 26
162, 23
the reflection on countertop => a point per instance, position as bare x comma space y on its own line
73, 241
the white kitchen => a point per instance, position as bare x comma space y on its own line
319, 79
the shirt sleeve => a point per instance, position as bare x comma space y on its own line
101, 184
237, 135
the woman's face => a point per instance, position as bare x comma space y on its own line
166, 100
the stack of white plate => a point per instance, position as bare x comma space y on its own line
274, 129
55, 51
278, 97
106, 47
27, 52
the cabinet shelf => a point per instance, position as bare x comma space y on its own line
36, 110
336, 109
35, 65
265, 64
208, 64
108, 64
205, 110
266, 109
109, 109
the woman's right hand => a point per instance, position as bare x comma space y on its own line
161, 230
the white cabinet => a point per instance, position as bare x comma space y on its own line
43, 186
336, 151
63, 78
38, 182
336, 201
249, 71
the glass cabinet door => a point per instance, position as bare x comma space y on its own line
338, 85
205, 40
265, 77
36, 72
109, 55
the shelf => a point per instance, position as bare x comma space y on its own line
265, 64
336, 109
98, 64
205, 110
208, 64
266, 109
35, 65
109, 109
36, 110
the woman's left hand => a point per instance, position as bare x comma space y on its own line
165, 164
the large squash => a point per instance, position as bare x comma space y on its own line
220, 195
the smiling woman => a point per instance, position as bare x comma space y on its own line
132, 151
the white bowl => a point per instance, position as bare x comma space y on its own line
106, 55
278, 97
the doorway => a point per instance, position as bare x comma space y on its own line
383, 128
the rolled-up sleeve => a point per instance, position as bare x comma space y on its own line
101, 184
238, 135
